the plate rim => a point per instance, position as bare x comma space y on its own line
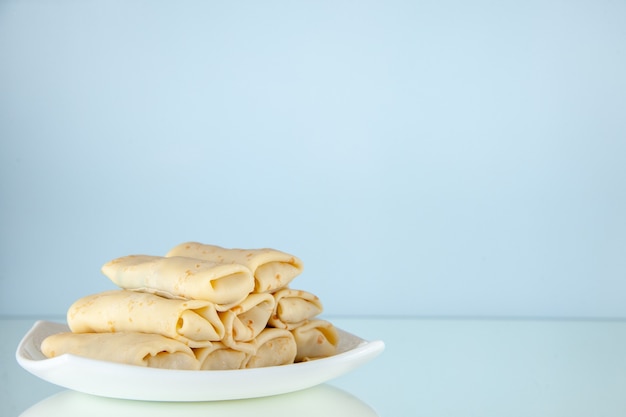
317, 371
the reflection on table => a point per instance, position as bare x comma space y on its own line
321, 400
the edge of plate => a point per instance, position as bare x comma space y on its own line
227, 381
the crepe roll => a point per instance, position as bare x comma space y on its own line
193, 322
141, 349
315, 339
273, 347
180, 277
244, 321
294, 307
272, 269
218, 356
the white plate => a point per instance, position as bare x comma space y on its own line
116, 380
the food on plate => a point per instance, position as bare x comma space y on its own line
199, 307
180, 277
244, 321
273, 347
193, 322
142, 349
272, 269
294, 307
218, 356
315, 339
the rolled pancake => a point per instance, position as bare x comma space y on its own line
180, 277
273, 347
293, 308
315, 339
218, 356
244, 321
141, 349
193, 322
272, 269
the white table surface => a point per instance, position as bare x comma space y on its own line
430, 367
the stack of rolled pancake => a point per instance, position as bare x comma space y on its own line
199, 307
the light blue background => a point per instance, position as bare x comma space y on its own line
422, 158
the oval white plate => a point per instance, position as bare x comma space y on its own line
116, 380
